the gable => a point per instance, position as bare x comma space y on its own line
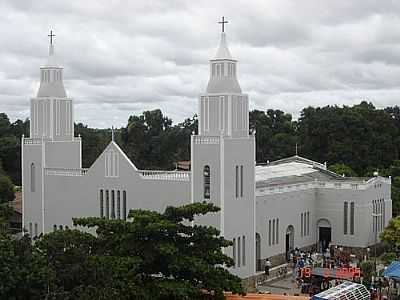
111, 162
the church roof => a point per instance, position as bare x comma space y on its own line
294, 169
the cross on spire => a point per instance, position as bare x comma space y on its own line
223, 22
51, 35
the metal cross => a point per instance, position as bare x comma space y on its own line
223, 22
51, 37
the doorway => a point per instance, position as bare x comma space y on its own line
289, 241
324, 234
325, 237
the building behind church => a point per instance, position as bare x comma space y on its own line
266, 210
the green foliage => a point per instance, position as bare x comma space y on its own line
367, 270
169, 258
275, 134
360, 136
23, 270
387, 257
391, 234
152, 142
153, 255
342, 169
6, 188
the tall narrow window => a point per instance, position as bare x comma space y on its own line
124, 204
234, 252
237, 181
373, 218
308, 223
241, 181
36, 229
207, 178
54, 227
239, 252
345, 216
33, 179
112, 204
277, 231
107, 204
273, 232
101, 203
384, 213
352, 218
269, 232
301, 233
382, 208
243, 250
118, 204
30, 230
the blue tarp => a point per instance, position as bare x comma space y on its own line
393, 270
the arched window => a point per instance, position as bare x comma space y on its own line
206, 175
33, 171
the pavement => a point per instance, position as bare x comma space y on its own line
280, 286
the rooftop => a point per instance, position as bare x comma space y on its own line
293, 170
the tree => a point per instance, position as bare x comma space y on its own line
342, 169
6, 187
23, 269
391, 234
151, 256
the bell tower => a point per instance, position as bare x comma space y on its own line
51, 146
51, 110
223, 159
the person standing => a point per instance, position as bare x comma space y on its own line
267, 267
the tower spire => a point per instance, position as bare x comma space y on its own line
51, 77
51, 60
223, 68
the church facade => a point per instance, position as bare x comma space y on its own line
266, 210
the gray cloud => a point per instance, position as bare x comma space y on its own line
124, 57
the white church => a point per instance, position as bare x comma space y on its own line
266, 210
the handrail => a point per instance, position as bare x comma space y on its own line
165, 175
65, 172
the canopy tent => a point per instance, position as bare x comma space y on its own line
345, 291
393, 270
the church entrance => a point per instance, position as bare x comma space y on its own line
289, 240
324, 234
258, 253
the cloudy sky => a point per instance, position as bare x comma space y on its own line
124, 57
